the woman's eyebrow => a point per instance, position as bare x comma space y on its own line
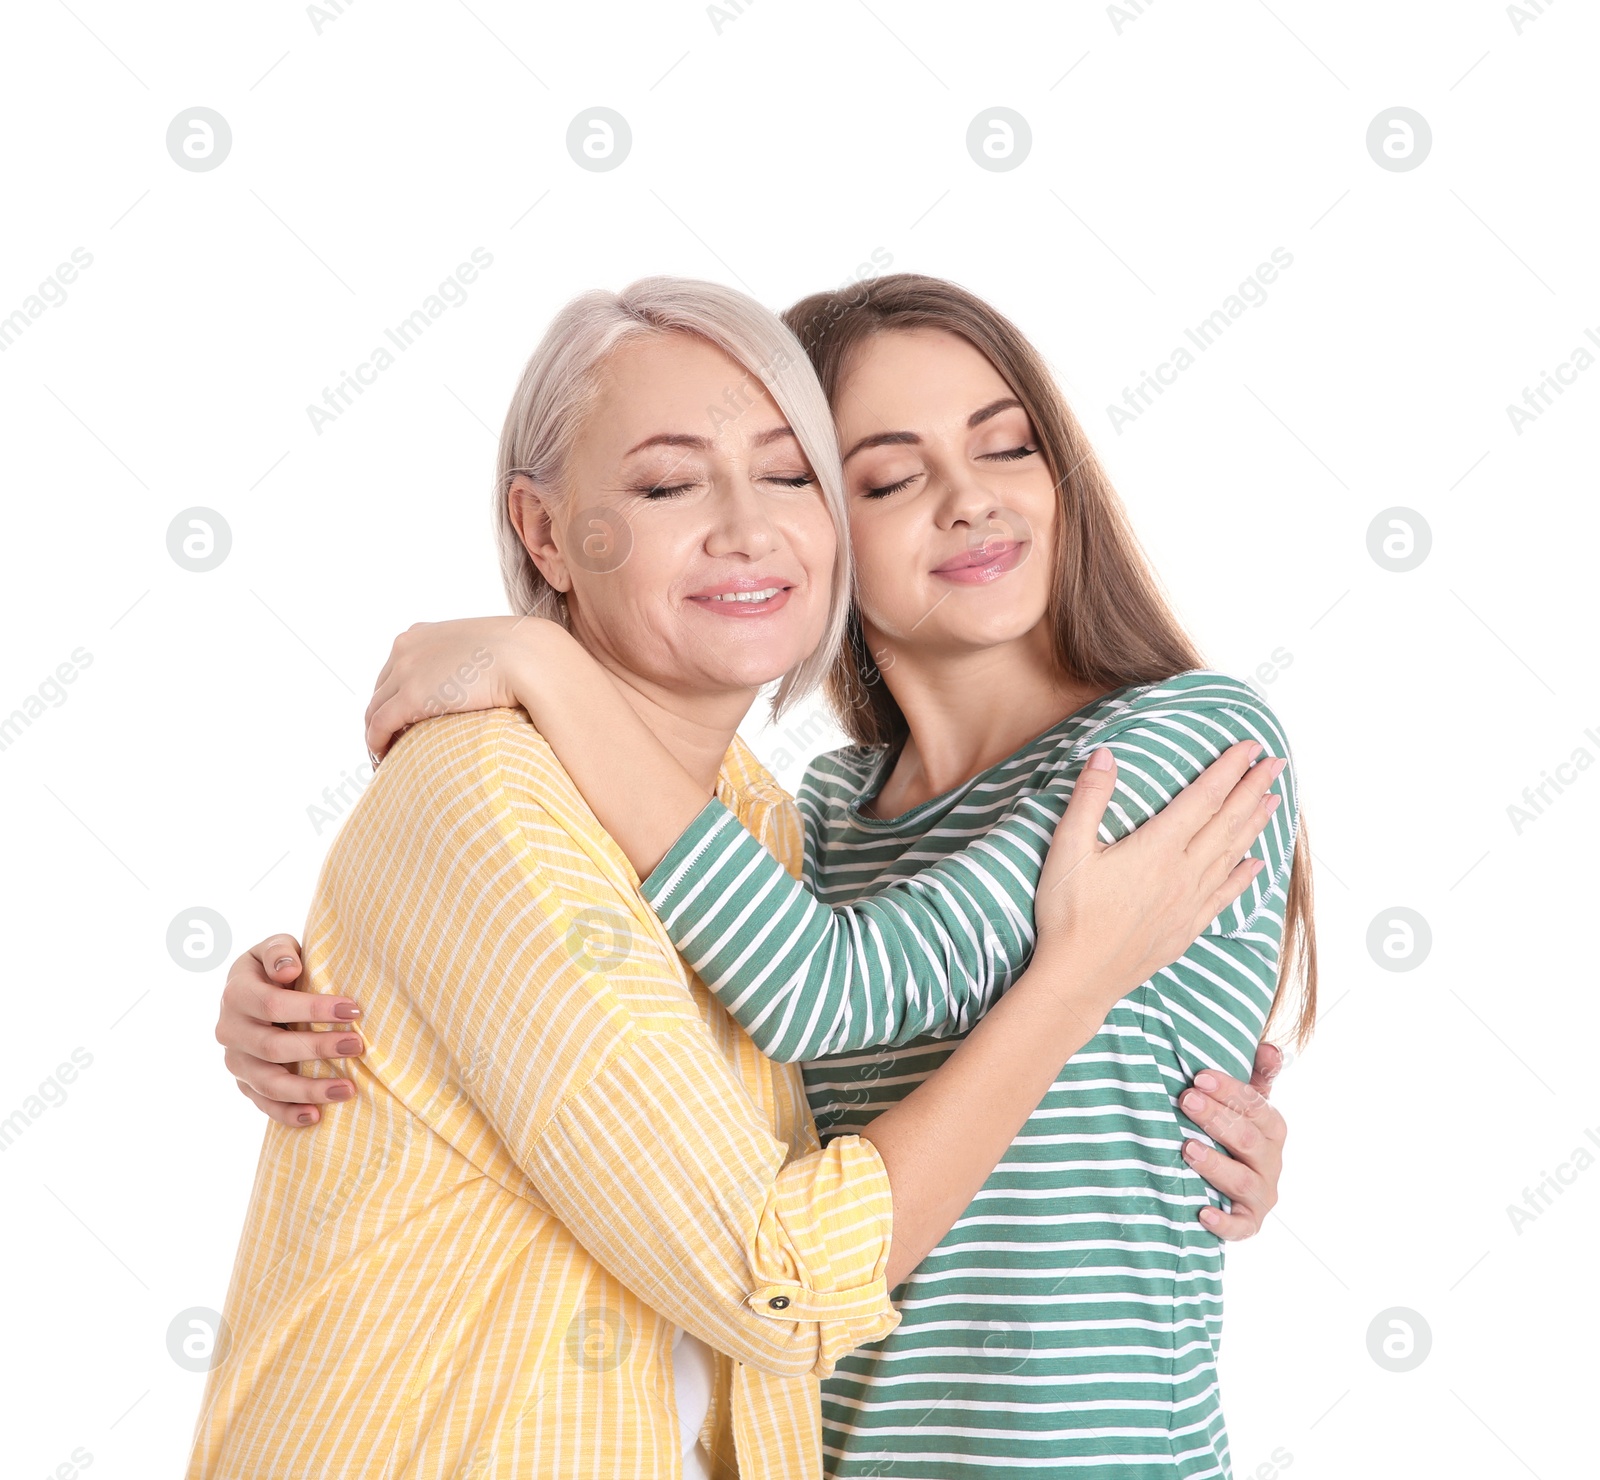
994, 408
701, 444
882, 439
670, 439
911, 439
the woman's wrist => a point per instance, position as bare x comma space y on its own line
1080, 987
539, 658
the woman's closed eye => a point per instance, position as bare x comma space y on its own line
1009, 454
884, 490
667, 490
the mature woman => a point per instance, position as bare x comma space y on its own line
562, 1153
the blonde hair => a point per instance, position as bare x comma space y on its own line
562, 381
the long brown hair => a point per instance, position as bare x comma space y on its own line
1109, 621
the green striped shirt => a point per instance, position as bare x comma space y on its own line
1071, 1318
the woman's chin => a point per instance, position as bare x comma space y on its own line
750, 672
698, 664
948, 631
753, 653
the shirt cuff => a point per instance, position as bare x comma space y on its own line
822, 1249
693, 847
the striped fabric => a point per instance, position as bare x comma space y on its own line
1070, 1320
561, 1149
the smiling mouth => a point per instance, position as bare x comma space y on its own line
765, 594
990, 559
744, 598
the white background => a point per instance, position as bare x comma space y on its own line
776, 149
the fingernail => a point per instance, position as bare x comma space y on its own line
1254, 750
341, 1090
1101, 760
281, 962
1272, 802
346, 1011
347, 1047
1209, 1216
1256, 865
1206, 1080
306, 1117
1191, 1151
1192, 1102
1279, 764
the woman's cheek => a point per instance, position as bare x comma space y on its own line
877, 595
816, 545
1041, 510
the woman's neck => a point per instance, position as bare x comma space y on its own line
969, 711
696, 729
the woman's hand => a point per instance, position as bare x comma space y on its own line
260, 995
446, 667
1131, 907
258, 999
1238, 1117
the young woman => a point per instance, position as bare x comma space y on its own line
563, 1165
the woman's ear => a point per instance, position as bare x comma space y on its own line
532, 509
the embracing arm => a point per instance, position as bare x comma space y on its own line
912, 959
261, 994
633, 784
936, 1147
604, 1089
458, 903
258, 995
928, 954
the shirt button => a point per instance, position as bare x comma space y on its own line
779, 1302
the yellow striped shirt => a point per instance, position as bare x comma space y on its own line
560, 1149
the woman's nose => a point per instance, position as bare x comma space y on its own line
963, 499
742, 525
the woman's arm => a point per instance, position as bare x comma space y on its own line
806, 981
634, 785
937, 1146
461, 884
921, 955
456, 902
942, 1141
260, 994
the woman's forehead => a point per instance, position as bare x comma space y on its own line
677, 384
899, 377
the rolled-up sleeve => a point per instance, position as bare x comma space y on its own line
662, 1169
554, 1011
